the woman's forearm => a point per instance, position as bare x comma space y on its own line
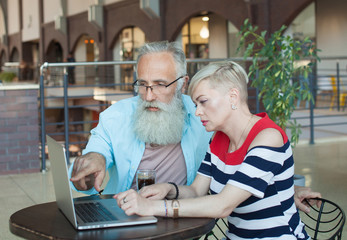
213, 206
199, 188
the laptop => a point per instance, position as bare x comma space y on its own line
90, 212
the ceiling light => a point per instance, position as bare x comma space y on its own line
204, 33
205, 19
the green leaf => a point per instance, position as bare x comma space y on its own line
273, 62
277, 73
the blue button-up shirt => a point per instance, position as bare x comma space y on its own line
115, 139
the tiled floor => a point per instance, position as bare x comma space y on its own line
324, 165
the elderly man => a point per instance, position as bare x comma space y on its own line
155, 130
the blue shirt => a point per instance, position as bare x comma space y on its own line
115, 139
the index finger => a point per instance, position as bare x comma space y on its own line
82, 173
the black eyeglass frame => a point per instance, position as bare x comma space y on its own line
151, 86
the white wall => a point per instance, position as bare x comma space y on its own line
305, 22
13, 18
31, 30
78, 6
218, 37
331, 25
52, 9
2, 22
233, 41
80, 51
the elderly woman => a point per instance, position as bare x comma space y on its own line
248, 168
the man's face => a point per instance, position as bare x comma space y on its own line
157, 68
159, 118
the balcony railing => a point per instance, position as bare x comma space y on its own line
69, 111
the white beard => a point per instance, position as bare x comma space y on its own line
161, 127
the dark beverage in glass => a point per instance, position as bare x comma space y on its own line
144, 178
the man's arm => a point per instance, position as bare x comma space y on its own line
88, 171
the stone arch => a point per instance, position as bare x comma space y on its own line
134, 16
14, 56
284, 12
125, 48
79, 26
54, 52
86, 48
115, 40
235, 12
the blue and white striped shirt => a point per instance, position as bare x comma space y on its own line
265, 172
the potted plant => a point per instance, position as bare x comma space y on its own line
7, 77
273, 66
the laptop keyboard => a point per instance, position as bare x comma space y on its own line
93, 212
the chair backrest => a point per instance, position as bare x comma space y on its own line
333, 84
325, 221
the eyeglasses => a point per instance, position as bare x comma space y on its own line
157, 89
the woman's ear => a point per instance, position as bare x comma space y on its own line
233, 96
234, 93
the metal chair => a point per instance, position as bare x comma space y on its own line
218, 232
325, 221
321, 223
342, 94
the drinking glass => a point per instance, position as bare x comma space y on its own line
144, 177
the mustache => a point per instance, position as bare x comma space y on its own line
163, 107
161, 127
156, 104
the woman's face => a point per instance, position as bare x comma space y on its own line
213, 106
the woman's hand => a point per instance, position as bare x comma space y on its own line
132, 203
305, 193
156, 191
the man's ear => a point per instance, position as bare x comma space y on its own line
185, 84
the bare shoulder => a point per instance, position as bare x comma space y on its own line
268, 137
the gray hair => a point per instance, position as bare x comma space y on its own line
224, 76
171, 47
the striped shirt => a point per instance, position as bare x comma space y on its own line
265, 172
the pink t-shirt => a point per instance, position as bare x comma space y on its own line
167, 160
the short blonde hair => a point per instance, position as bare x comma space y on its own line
222, 75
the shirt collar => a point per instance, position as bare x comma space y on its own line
189, 108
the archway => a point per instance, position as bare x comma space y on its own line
86, 50
208, 35
54, 52
14, 57
126, 48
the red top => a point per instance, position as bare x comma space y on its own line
220, 143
